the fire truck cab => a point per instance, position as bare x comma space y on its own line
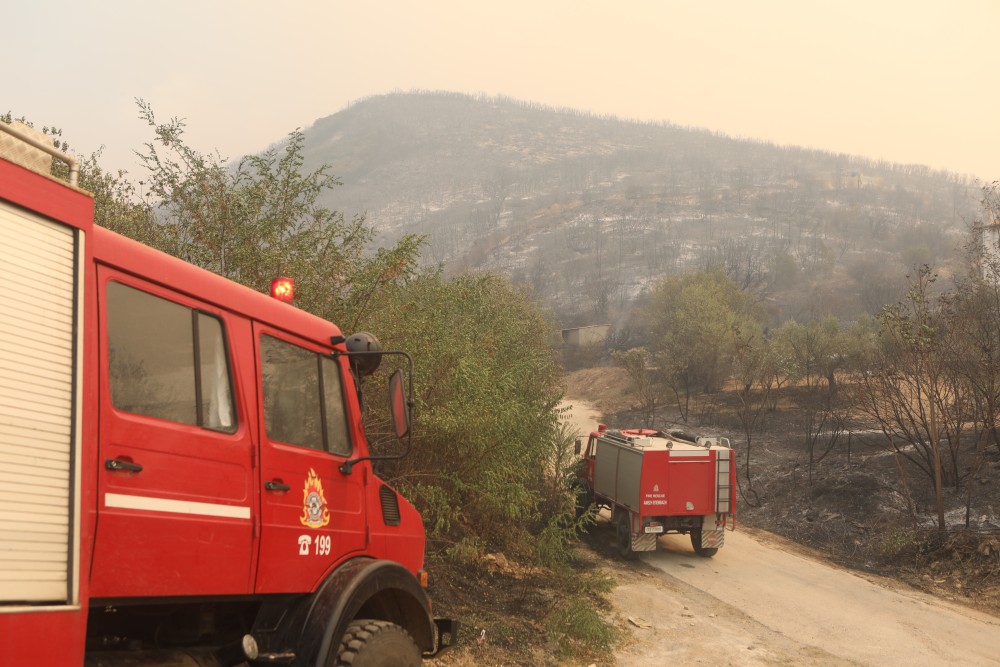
185, 477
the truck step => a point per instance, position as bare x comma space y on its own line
283, 658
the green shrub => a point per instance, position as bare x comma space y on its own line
487, 434
576, 625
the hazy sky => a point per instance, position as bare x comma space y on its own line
910, 81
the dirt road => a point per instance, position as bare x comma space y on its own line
758, 602
763, 601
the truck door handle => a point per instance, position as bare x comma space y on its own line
116, 465
276, 486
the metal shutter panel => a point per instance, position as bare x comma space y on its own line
37, 307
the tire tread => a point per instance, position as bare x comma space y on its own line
358, 635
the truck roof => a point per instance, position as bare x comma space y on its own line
650, 440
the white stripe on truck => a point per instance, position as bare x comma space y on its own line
153, 504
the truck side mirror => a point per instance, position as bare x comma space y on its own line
579, 446
400, 405
397, 405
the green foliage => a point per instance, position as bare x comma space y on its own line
489, 470
59, 168
813, 351
820, 349
555, 540
755, 372
691, 321
438, 512
467, 551
912, 389
899, 542
575, 623
487, 428
860, 340
117, 205
261, 219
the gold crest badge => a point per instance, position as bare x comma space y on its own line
314, 511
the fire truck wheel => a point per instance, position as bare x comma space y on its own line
624, 533
368, 643
707, 552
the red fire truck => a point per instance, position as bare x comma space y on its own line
184, 474
657, 483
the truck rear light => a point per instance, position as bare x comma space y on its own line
283, 289
422, 578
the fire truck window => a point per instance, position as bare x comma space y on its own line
152, 357
337, 435
291, 393
216, 394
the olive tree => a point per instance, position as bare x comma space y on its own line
755, 374
690, 322
910, 388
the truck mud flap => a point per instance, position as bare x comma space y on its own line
644, 542
713, 539
447, 636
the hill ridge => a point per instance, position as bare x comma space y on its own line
588, 210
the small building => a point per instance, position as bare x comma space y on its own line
588, 336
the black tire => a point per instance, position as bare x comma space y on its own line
706, 552
623, 532
369, 643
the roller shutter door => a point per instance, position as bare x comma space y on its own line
38, 295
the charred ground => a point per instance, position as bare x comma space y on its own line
852, 511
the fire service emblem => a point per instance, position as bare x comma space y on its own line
314, 511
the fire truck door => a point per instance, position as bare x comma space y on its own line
174, 476
312, 515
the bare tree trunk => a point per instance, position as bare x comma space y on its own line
936, 449
976, 465
906, 487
